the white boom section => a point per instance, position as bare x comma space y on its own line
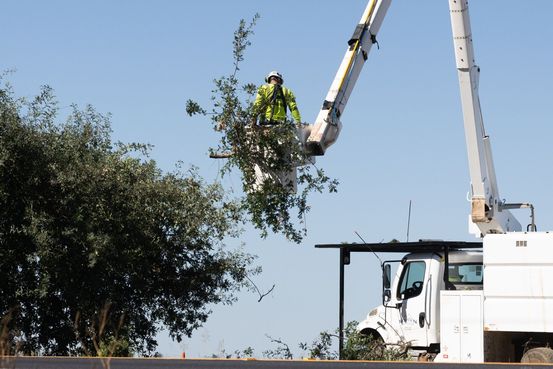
327, 126
487, 213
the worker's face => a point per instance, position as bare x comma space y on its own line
275, 81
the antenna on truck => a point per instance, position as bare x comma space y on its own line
408, 220
375, 254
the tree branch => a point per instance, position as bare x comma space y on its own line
261, 295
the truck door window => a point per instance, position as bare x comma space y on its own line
412, 280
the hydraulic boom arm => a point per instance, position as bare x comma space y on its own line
327, 126
488, 213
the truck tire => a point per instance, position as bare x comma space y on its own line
538, 355
376, 343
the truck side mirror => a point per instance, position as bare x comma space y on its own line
386, 276
386, 296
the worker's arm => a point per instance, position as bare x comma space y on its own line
260, 102
292, 105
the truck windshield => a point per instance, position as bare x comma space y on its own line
466, 273
412, 277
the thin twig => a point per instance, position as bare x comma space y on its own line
261, 295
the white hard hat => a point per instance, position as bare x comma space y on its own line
273, 73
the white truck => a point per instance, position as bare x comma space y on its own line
488, 305
492, 305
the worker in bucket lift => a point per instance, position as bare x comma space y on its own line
272, 100
269, 108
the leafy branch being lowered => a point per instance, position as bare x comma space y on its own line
276, 171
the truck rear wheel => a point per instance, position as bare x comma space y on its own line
538, 355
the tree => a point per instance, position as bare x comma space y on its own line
271, 205
99, 248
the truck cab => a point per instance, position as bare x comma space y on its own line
409, 315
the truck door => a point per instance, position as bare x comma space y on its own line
413, 297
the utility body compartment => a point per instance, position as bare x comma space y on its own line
461, 321
518, 288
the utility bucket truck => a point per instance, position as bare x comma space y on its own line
451, 303
466, 302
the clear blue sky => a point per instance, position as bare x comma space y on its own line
402, 139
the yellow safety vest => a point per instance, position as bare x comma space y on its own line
271, 102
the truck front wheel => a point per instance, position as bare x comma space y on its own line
538, 355
376, 345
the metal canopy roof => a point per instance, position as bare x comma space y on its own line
403, 247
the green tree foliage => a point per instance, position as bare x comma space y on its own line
272, 206
281, 351
357, 346
98, 248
